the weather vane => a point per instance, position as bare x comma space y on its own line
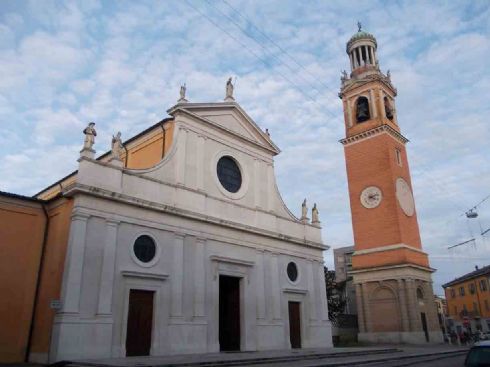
359, 25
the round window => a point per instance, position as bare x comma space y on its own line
144, 248
229, 174
292, 271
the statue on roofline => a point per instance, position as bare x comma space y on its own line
229, 90
90, 135
304, 211
314, 215
117, 147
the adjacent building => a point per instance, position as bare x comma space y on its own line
468, 301
441, 306
343, 265
391, 272
176, 241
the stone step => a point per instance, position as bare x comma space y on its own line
243, 361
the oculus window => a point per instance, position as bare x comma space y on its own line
144, 248
229, 174
292, 271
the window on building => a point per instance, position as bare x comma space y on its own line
455, 310
362, 109
461, 291
388, 108
475, 307
487, 308
453, 293
229, 174
472, 288
398, 156
483, 285
144, 248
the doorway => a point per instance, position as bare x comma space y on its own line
294, 324
140, 320
424, 325
229, 313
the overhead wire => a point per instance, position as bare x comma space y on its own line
295, 85
422, 169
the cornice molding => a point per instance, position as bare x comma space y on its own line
374, 132
79, 188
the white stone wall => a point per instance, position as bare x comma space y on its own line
201, 231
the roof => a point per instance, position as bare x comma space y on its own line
474, 274
361, 35
21, 197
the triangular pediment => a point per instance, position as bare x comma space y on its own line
230, 117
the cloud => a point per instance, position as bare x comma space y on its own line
120, 64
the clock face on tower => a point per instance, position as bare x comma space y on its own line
371, 197
405, 197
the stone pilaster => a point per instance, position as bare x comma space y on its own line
199, 278
74, 264
403, 305
366, 307
414, 321
177, 276
360, 309
107, 275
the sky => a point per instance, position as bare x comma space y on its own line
120, 64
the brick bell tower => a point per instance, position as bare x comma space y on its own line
394, 295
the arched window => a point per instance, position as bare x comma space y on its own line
388, 108
362, 109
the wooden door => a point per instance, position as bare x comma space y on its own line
140, 320
229, 313
294, 324
424, 325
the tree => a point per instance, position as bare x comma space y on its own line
335, 295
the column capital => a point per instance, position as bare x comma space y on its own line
80, 216
112, 222
201, 240
179, 236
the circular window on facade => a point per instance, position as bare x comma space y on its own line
229, 174
144, 248
292, 272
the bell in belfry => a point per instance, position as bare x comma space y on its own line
362, 113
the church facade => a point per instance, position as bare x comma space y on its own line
391, 272
176, 241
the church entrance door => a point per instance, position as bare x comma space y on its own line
229, 313
294, 325
140, 320
424, 325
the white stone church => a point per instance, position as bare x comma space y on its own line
197, 253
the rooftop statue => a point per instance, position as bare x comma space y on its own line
314, 215
183, 89
116, 147
90, 135
229, 90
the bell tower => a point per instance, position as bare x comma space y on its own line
395, 300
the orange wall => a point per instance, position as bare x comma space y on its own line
391, 257
51, 276
468, 299
372, 162
21, 238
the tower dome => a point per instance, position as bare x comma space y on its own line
361, 49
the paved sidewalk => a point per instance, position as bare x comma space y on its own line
275, 357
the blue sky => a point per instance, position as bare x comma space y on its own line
120, 63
